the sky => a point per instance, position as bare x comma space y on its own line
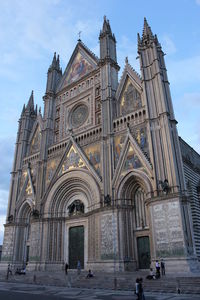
31, 31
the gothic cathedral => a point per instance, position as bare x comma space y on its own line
102, 176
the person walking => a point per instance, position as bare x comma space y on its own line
66, 268
162, 265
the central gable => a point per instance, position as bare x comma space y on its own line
82, 62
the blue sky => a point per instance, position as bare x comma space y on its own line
30, 32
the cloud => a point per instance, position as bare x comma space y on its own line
2, 222
168, 45
198, 2
126, 47
3, 208
187, 109
184, 70
7, 155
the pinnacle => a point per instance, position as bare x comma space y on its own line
147, 33
106, 26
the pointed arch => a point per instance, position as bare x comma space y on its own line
72, 185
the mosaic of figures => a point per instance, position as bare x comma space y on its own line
131, 99
79, 68
132, 160
141, 137
28, 190
118, 142
51, 167
35, 144
73, 160
93, 153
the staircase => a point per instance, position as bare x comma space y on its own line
102, 280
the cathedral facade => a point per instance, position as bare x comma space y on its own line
102, 176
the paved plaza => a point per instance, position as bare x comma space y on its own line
29, 291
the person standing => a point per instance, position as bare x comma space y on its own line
162, 265
157, 269
9, 271
66, 268
78, 267
140, 290
137, 288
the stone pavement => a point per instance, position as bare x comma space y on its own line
188, 284
52, 292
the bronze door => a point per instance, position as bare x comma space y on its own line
76, 246
143, 247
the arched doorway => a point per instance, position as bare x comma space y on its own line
23, 231
73, 195
135, 223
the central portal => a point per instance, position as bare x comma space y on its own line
76, 246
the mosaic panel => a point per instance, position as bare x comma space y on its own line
29, 190
141, 137
35, 143
131, 99
93, 153
132, 160
23, 178
51, 167
73, 160
118, 142
79, 68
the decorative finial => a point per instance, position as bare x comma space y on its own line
126, 59
79, 36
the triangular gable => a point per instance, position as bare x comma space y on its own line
131, 158
81, 63
72, 161
128, 94
130, 73
72, 158
130, 98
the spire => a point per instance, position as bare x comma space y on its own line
147, 33
58, 62
147, 37
55, 65
106, 30
106, 26
54, 74
23, 110
54, 61
107, 42
30, 105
